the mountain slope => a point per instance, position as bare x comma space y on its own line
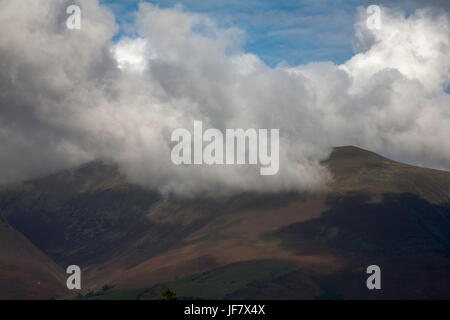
377, 211
25, 271
362, 171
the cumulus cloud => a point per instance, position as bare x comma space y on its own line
70, 96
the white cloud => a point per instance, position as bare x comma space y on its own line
70, 96
133, 54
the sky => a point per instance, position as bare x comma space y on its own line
121, 84
283, 31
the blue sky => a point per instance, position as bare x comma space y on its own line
290, 31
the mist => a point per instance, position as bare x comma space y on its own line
72, 96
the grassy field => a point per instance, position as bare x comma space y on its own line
214, 284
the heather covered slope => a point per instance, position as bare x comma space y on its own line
25, 271
292, 246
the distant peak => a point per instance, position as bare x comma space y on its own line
352, 152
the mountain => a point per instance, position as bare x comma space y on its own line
270, 246
25, 271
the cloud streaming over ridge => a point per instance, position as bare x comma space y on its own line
70, 96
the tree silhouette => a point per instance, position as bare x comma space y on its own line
167, 294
